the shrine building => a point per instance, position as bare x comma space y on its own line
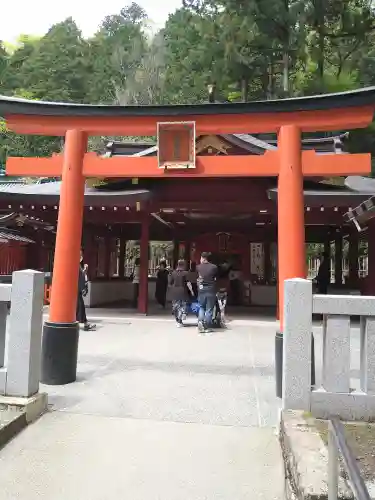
245, 181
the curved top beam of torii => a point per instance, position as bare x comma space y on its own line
345, 110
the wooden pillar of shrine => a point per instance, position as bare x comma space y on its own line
176, 253
187, 252
291, 223
338, 259
267, 262
327, 246
121, 263
143, 275
107, 261
61, 332
90, 254
328, 253
353, 259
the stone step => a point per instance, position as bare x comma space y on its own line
11, 423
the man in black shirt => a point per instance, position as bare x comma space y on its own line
82, 291
324, 274
207, 274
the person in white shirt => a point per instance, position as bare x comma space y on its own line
135, 281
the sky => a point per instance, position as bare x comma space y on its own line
36, 16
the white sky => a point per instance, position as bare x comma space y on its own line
36, 16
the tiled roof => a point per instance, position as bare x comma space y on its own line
359, 183
365, 210
50, 192
6, 236
256, 145
362, 213
327, 197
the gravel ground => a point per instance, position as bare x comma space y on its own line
360, 437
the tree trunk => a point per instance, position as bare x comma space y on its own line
319, 25
271, 81
286, 73
286, 85
244, 89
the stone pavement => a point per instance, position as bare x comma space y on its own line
157, 413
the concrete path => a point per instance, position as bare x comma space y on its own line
158, 413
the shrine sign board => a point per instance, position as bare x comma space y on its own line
176, 145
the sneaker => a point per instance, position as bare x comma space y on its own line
179, 325
200, 327
89, 327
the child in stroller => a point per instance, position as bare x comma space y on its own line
218, 314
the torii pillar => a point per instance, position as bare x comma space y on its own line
290, 212
291, 227
61, 332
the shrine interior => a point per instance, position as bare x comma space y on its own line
235, 218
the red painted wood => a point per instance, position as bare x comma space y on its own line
12, 257
238, 244
206, 124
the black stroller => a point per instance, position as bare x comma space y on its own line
218, 315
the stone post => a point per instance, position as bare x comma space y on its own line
5, 293
25, 334
336, 353
296, 387
367, 354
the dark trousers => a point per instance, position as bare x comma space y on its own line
81, 309
322, 288
206, 300
135, 295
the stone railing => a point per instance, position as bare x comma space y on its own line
21, 334
335, 396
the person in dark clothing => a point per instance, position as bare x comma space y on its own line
193, 277
179, 284
323, 278
82, 292
162, 284
207, 275
135, 277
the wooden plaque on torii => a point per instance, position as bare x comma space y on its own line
176, 145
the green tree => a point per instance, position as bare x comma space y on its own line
12, 144
338, 34
115, 53
11, 79
144, 85
56, 69
194, 57
4, 57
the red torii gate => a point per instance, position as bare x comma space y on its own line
289, 118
